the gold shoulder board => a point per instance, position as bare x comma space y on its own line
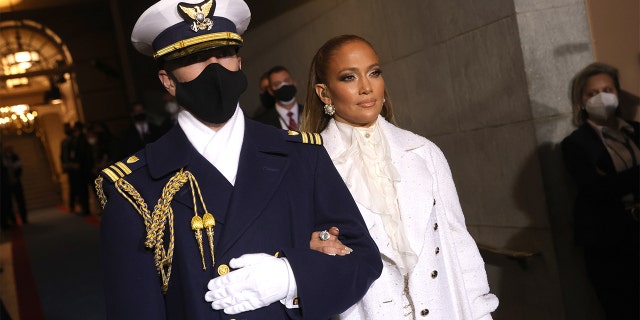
304, 137
121, 169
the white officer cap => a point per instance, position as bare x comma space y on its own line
172, 29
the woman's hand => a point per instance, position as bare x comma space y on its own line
331, 246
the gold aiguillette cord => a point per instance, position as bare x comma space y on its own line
207, 222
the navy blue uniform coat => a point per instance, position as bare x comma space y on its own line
284, 191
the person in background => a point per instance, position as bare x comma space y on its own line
267, 101
214, 218
602, 156
287, 110
13, 170
140, 132
77, 161
7, 218
65, 159
100, 143
172, 109
404, 189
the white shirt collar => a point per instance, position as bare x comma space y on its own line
221, 148
622, 125
284, 118
142, 127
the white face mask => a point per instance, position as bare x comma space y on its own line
602, 106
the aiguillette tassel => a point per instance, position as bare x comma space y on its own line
196, 226
209, 223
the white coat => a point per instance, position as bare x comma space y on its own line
426, 196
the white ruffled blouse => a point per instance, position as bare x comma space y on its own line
371, 177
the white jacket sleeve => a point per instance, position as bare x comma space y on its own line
473, 289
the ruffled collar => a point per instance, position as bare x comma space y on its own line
366, 167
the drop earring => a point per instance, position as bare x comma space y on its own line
329, 109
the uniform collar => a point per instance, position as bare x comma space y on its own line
222, 147
162, 160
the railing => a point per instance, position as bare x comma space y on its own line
55, 177
521, 257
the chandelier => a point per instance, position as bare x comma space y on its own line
18, 117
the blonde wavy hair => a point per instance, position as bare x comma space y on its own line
579, 82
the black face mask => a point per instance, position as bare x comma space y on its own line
285, 93
267, 100
140, 117
213, 95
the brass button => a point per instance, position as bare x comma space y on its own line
435, 226
223, 269
424, 312
296, 301
437, 250
434, 274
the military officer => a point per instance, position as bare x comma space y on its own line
212, 221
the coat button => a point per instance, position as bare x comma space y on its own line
437, 250
434, 202
223, 269
424, 312
435, 226
434, 274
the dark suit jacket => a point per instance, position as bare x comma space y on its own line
271, 117
599, 214
132, 142
284, 191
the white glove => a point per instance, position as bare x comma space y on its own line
260, 280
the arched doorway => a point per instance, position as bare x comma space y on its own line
38, 93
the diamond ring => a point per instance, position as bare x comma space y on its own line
324, 235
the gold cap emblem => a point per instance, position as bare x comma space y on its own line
197, 14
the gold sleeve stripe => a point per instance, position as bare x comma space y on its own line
116, 170
305, 137
111, 175
123, 167
309, 137
318, 138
